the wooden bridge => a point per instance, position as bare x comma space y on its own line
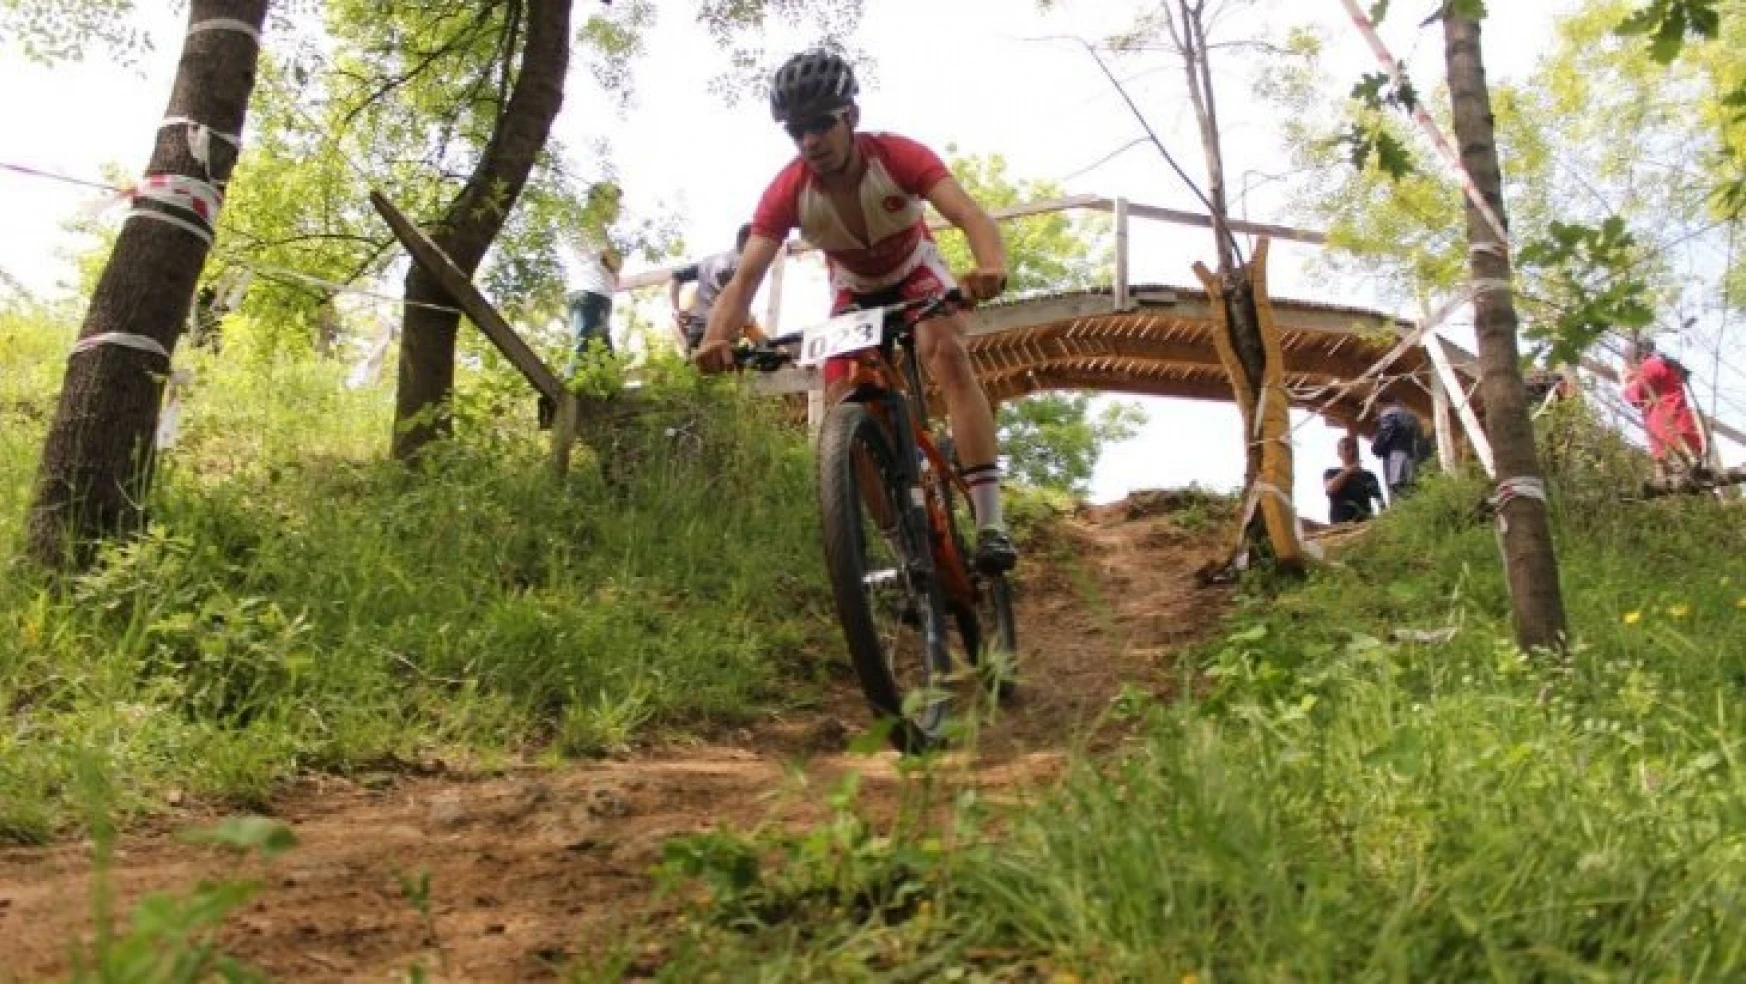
1157, 339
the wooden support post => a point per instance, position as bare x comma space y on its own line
460, 288
564, 428
1463, 406
467, 297
773, 303
1121, 254
1442, 424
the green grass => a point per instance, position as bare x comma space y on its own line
300, 603
1346, 807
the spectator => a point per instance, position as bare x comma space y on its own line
1351, 487
1655, 385
591, 275
711, 274
1400, 445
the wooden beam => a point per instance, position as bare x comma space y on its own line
564, 429
659, 275
466, 296
1237, 225
1121, 254
1028, 314
1442, 424
788, 379
773, 305
1476, 438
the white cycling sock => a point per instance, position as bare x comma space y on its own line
984, 484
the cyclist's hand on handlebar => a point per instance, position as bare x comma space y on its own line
984, 283
714, 355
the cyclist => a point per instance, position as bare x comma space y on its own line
858, 197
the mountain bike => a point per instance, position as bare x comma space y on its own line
894, 512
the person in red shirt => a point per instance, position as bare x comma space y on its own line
1657, 389
859, 198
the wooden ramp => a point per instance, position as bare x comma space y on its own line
1161, 344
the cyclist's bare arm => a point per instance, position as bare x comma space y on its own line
958, 208
733, 306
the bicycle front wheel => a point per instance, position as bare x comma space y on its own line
890, 606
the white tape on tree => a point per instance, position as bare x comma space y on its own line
226, 24
124, 339
199, 200
200, 137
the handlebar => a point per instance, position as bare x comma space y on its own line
774, 353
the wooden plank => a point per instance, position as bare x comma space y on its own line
564, 428
1121, 254
1273, 427
659, 275
466, 296
788, 379
773, 304
1441, 423
1237, 225
796, 246
1434, 347
1043, 311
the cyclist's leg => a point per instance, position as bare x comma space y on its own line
940, 346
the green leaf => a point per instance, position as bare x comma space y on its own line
1668, 23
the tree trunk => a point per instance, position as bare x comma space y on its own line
1529, 562
1241, 319
96, 463
473, 220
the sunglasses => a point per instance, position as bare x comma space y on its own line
817, 125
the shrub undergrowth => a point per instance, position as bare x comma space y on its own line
1372, 783
298, 602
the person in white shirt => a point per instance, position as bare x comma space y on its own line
591, 276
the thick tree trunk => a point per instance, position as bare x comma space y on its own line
96, 462
1529, 562
473, 220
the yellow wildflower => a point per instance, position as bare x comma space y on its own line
1632, 618
1680, 610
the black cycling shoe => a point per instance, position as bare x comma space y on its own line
995, 553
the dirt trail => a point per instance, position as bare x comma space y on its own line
531, 870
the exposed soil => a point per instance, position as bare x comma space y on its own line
536, 868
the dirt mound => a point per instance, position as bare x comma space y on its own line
530, 870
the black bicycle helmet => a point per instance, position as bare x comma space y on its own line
811, 83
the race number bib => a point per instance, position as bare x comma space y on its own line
841, 335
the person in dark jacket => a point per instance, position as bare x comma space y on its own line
1399, 445
1351, 487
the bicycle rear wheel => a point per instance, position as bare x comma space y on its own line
891, 610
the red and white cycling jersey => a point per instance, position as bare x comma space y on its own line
899, 173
